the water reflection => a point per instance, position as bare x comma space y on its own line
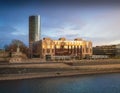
109, 83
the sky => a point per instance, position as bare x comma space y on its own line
97, 22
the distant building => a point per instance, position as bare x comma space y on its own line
17, 57
118, 50
77, 48
4, 56
34, 29
110, 50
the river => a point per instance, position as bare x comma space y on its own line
99, 83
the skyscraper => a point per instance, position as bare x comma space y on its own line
34, 29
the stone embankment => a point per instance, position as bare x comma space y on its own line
56, 69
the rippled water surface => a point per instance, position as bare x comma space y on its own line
102, 83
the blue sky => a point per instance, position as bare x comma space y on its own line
97, 23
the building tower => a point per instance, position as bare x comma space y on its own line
34, 30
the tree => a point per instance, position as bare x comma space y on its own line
12, 47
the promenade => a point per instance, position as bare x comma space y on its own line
56, 69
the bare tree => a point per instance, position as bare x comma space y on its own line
12, 47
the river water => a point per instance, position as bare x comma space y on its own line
100, 83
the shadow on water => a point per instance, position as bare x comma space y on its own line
97, 83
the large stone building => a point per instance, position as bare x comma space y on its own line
77, 48
110, 50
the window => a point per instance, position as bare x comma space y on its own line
83, 50
86, 50
52, 50
48, 50
43, 50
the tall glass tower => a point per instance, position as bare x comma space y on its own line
34, 28
34, 31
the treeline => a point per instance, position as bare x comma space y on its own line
12, 47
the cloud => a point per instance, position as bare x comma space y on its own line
103, 28
7, 29
9, 33
99, 25
5, 32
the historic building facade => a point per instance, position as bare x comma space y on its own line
77, 48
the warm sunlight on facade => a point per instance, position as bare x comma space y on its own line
77, 48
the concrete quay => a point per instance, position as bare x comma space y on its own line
56, 69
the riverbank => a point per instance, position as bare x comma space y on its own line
27, 71
50, 75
